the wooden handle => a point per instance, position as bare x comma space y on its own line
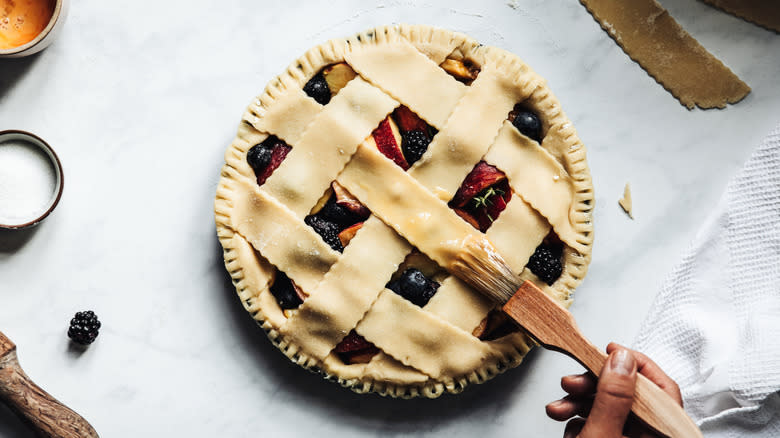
554, 327
47, 416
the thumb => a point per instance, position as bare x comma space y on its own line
614, 395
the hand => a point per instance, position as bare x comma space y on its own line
601, 406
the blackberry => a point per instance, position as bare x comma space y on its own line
328, 230
414, 144
259, 157
284, 291
84, 328
317, 88
529, 124
338, 214
546, 264
415, 287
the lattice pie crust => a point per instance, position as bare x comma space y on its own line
424, 351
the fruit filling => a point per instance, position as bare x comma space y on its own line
339, 218
286, 292
482, 196
403, 137
355, 349
545, 262
527, 122
462, 70
266, 156
413, 285
328, 82
495, 325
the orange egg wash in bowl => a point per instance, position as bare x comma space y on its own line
23, 20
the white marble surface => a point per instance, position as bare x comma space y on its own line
140, 101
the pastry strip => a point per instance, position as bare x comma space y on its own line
403, 72
517, 232
327, 144
651, 37
272, 228
287, 118
538, 179
457, 303
402, 203
420, 339
346, 292
458, 147
765, 13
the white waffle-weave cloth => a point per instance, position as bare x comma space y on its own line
715, 325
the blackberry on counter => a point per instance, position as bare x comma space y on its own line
414, 144
546, 264
84, 328
317, 88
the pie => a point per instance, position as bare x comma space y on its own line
353, 173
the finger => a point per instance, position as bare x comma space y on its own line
653, 372
568, 407
579, 384
614, 395
573, 428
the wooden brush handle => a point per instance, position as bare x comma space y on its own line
554, 327
47, 416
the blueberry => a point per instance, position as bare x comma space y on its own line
529, 124
259, 157
414, 145
416, 287
284, 291
317, 88
328, 230
546, 263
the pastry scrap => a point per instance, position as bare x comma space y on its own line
651, 37
625, 202
354, 176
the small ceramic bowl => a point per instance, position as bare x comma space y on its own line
44, 38
58, 174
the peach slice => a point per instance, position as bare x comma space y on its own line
346, 200
408, 120
346, 235
337, 76
388, 140
461, 70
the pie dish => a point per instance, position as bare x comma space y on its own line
355, 171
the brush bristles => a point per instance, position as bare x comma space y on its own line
480, 265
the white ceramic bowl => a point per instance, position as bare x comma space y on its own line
58, 174
44, 38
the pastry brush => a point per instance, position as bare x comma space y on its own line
479, 264
47, 416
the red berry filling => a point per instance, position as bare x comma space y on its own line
482, 196
355, 349
265, 157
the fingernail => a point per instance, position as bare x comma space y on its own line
556, 404
569, 434
622, 362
